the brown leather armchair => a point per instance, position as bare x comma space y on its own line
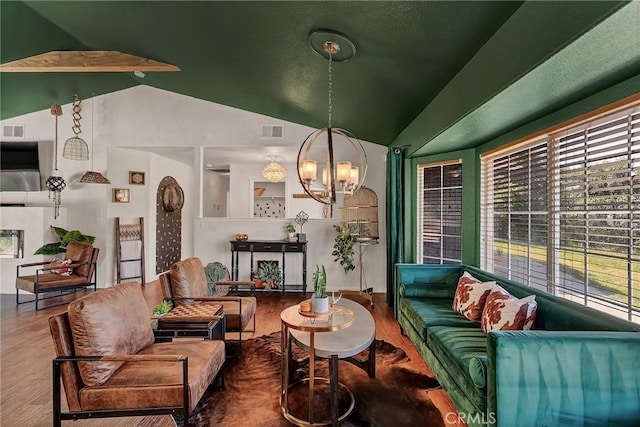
111, 369
186, 283
83, 258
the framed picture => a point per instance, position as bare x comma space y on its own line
121, 195
136, 178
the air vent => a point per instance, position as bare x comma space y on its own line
13, 131
271, 131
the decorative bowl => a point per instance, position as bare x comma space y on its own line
241, 237
257, 192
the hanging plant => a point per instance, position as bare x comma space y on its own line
343, 248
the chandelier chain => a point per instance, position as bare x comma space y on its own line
330, 90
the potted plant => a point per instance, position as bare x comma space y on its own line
162, 308
291, 229
320, 300
271, 274
343, 248
65, 238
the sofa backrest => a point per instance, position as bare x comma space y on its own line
79, 252
110, 321
556, 313
187, 280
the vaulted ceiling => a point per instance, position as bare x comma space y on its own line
424, 75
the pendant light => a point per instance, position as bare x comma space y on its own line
55, 183
339, 154
91, 177
75, 148
274, 171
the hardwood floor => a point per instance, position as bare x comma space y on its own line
26, 351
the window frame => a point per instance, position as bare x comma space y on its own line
420, 168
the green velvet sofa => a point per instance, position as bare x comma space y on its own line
577, 367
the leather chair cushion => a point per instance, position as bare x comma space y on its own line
80, 252
48, 281
188, 280
157, 384
111, 321
249, 306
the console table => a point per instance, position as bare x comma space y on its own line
278, 246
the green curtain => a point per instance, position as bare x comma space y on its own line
395, 215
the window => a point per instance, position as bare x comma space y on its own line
440, 213
11, 243
562, 213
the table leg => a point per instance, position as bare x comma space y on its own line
285, 347
311, 374
333, 384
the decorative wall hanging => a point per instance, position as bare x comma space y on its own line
172, 197
121, 195
136, 178
55, 183
75, 148
168, 223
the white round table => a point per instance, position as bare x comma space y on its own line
338, 343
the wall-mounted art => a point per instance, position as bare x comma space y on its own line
121, 195
136, 178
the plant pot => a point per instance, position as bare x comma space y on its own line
293, 237
259, 283
319, 305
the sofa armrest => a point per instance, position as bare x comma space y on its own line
563, 378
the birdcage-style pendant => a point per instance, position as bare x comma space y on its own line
75, 148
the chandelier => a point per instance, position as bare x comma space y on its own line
274, 172
339, 154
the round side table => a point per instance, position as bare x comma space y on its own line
339, 318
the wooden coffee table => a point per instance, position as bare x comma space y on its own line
191, 321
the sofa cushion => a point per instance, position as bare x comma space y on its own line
188, 280
502, 311
454, 346
470, 296
111, 321
158, 384
424, 313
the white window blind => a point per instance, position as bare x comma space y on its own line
440, 213
562, 214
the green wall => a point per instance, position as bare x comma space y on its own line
471, 169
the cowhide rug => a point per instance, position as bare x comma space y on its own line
396, 397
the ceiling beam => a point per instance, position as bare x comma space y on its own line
80, 61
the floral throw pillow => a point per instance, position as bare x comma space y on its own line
60, 267
470, 296
504, 312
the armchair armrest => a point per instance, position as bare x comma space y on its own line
33, 264
558, 377
57, 371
